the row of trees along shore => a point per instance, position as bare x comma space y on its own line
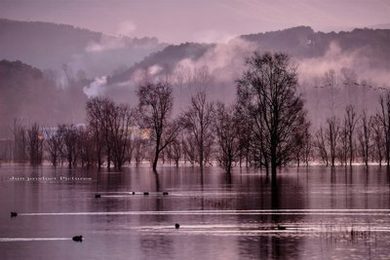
267, 128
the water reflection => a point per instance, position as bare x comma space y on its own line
248, 223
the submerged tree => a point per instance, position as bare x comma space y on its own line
35, 144
320, 144
364, 136
198, 122
350, 124
97, 115
227, 132
54, 146
332, 136
377, 138
155, 107
384, 119
268, 92
20, 141
70, 139
120, 134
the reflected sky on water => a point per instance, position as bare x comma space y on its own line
310, 213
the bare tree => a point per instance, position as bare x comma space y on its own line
198, 122
344, 144
190, 151
35, 144
155, 107
96, 109
350, 120
245, 136
307, 146
364, 138
320, 144
377, 138
302, 149
174, 151
119, 123
268, 92
384, 118
54, 145
20, 141
140, 150
69, 135
227, 132
332, 137
86, 148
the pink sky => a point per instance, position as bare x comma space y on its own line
200, 20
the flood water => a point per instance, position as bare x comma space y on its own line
310, 214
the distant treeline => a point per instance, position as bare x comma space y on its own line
267, 127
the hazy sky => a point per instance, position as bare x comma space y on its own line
199, 20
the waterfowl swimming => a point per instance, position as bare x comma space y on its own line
97, 195
13, 214
77, 238
177, 225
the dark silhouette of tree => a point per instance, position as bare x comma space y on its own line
86, 148
320, 144
307, 146
377, 138
35, 144
20, 141
384, 118
190, 151
350, 120
364, 136
244, 136
303, 144
111, 128
268, 91
70, 139
119, 123
227, 133
96, 109
343, 148
140, 150
54, 146
174, 151
155, 108
332, 135
198, 123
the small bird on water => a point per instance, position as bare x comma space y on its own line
78, 238
13, 214
177, 225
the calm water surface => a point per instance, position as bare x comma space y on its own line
311, 214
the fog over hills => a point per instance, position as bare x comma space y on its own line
49, 46
361, 56
74, 64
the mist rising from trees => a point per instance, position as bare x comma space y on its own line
266, 128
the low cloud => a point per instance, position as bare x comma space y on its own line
96, 88
106, 43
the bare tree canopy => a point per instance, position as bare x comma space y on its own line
155, 107
110, 125
268, 92
227, 132
198, 122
